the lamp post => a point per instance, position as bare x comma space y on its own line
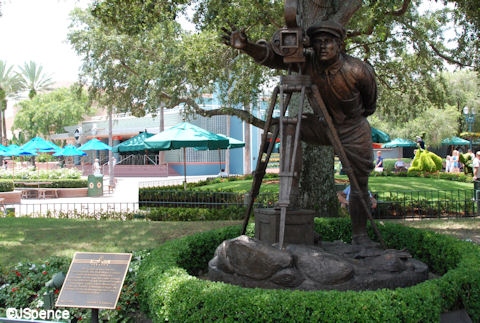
469, 119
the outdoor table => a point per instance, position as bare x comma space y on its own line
41, 192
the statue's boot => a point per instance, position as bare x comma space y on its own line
359, 217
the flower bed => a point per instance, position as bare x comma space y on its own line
23, 286
31, 173
169, 291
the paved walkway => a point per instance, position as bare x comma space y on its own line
123, 198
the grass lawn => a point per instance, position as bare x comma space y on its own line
468, 228
376, 183
23, 239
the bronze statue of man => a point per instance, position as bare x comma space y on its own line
349, 90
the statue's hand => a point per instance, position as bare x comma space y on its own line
234, 38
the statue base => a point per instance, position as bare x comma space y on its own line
299, 227
333, 266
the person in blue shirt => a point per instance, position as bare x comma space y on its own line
344, 197
379, 161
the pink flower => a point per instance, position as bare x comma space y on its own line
44, 272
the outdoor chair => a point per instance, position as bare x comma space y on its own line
111, 187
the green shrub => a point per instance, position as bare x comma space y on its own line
168, 291
208, 181
389, 163
23, 286
6, 185
467, 161
195, 214
43, 174
459, 177
425, 161
55, 183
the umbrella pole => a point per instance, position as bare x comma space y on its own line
220, 159
184, 169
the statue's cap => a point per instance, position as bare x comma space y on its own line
328, 26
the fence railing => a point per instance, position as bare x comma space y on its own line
71, 210
391, 204
411, 204
138, 159
427, 204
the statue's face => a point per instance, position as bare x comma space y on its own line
326, 47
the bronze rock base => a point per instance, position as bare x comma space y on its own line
335, 265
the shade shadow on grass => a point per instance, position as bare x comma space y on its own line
24, 239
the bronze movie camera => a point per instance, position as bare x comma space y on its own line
290, 41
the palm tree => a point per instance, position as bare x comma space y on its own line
33, 80
10, 87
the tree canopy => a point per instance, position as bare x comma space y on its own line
48, 113
137, 57
33, 79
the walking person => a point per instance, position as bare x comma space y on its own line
476, 166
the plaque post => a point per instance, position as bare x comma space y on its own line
94, 315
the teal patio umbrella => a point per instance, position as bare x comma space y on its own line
94, 144
69, 150
40, 145
186, 135
14, 150
379, 136
399, 142
455, 141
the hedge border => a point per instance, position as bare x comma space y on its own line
168, 291
55, 183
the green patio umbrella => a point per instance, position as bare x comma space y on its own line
399, 142
455, 141
232, 144
186, 135
379, 136
134, 144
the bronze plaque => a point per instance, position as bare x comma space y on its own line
94, 280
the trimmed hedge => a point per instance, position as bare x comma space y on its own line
208, 181
195, 214
56, 183
458, 177
389, 163
168, 291
6, 185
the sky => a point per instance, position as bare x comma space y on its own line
36, 30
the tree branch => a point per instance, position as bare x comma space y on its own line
368, 31
241, 114
401, 11
128, 68
346, 10
370, 28
447, 58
